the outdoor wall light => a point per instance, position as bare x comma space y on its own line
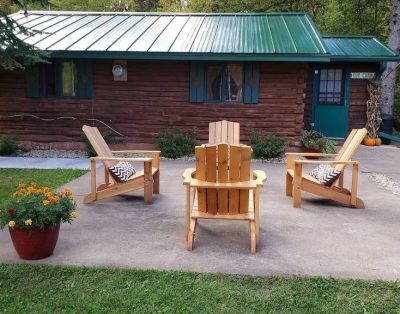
119, 70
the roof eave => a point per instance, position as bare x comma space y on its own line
190, 56
366, 58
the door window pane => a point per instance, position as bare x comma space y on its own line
330, 87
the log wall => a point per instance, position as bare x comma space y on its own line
154, 98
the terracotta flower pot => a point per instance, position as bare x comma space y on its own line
369, 141
311, 150
32, 244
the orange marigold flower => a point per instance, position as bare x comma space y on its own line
46, 202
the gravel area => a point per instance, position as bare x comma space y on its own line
54, 153
385, 182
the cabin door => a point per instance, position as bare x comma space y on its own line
331, 101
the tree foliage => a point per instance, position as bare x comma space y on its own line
14, 52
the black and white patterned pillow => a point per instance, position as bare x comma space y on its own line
325, 174
122, 171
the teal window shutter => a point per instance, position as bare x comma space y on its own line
32, 80
251, 83
85, 79
196, 92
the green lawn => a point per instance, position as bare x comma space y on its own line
9, 178
48, 289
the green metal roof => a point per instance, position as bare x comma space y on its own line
353, 48
255, 36
194, 36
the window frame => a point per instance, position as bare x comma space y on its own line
224, 66
59, 80
342, 87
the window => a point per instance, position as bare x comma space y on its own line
224, 83
60, 79
331, 87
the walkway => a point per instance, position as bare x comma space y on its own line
321, 238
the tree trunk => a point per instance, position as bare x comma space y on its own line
389, 76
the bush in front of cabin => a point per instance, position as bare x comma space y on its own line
107, 135
174, 143
268, 146
9, 145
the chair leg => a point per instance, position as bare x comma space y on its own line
253, 240
297, 185
156, 183
289, 185
148, 184
192, 230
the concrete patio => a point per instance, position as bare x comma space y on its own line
321, 238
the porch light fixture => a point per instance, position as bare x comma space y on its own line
119, 70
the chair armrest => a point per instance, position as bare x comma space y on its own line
311, 154
188, 175
136, 151
121, 159
317, 162
260, 177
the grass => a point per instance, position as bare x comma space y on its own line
9, 178
57, 289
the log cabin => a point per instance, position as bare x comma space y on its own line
140, 73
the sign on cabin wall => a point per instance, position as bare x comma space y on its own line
363, 75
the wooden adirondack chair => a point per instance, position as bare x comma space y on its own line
224, 132
297, 181
147, 179
223, 188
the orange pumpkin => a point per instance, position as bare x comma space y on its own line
378, 141
369, 141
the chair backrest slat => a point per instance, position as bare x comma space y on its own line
234, 176
223, 177
224, 132
223, 163
201, 175
211, 176
244, 176
99, 144
350, 146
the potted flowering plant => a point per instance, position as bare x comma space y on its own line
33, 215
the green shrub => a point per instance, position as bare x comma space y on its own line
107, 135
268, 146
313, 139
9, 145
173, 143
329, 147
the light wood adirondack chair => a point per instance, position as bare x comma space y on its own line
297, 181
224, 132
147, 179
223, 188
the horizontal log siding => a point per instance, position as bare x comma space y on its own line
154, 98
358, 97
